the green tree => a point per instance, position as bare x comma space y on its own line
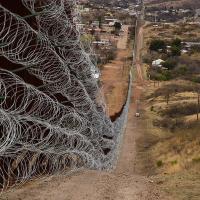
100, 21
117, 26
155, 45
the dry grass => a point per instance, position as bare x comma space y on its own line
170, 151
181, 186
172, 158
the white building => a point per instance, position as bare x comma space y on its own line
157, 63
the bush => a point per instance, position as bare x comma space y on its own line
180, 110
176, 42
169, 123
159, 163
166, 76
174, 162
196, 79
175, 88
181, 70
155, 45
169, 64
161, 76
176, 51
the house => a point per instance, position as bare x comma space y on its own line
197, 15
111, 24
102, 42
184, 51
169, 49
157, 63
189, 45
110, 20
95, 24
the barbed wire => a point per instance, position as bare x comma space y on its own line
41, 135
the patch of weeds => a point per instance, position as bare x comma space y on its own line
159, 163
174, 162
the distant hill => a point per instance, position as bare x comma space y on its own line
174, 3
121, 3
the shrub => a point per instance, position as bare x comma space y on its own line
181, 69
166, 75
174, 162
180, 110
161, 76
175, 88
176, 42
169, 123
176, 51
159, 163
196, 79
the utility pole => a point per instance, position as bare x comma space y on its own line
139, 20
198, 105
155, 16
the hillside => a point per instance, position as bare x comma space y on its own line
174, 3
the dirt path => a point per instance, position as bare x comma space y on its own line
139, 76
121, 184
115, 77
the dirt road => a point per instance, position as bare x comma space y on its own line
121, 184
